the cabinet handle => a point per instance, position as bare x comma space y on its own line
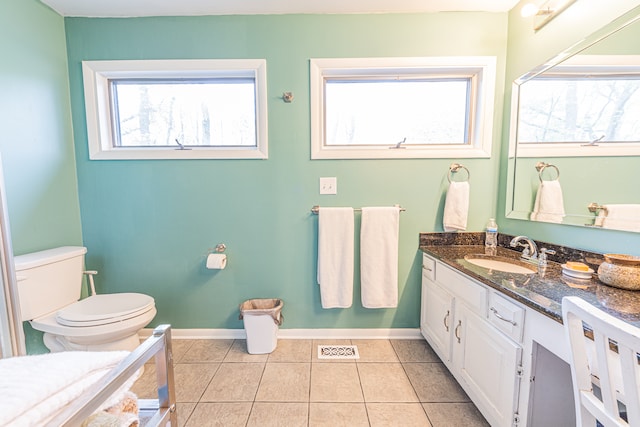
504, 319
456, 331
424, 267
446, 317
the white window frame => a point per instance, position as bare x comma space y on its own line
481, 68
579, 65
97, 76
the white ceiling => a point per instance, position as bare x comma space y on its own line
120, 8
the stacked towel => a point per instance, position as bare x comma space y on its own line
379, 257
335, 257
549, 204
620, 217
36, 388
456, 207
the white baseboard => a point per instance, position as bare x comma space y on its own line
390, 333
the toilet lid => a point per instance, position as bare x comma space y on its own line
105, 308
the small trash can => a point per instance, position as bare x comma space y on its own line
261, 320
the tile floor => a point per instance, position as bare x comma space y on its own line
394, 383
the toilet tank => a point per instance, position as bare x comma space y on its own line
49, 280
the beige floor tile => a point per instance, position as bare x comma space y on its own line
291, 351
385, 382
434, 383
337, 382
314, 351
145, 387
338, 415
191, 379
238, 353
285, 382
397, 414
265, 414
180, 347
454, 414
234, 382
375, 351
207, 351
220, 415
414, 351
184, 411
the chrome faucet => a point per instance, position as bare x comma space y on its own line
530, 251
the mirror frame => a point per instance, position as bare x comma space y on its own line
623, 21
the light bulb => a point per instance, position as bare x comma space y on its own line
528, 10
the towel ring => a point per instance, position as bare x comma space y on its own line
454, 168
541, 166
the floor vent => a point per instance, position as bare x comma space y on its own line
338, 352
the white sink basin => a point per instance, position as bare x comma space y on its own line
498, 263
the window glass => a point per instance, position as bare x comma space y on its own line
188, 112
580, 110
384, 112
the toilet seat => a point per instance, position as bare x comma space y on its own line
103, 309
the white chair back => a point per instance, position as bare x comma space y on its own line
611, 360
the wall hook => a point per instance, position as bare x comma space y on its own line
287, 97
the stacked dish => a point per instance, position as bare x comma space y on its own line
577, 270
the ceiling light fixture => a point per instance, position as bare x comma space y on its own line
545, 12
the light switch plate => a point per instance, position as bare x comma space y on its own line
329, 185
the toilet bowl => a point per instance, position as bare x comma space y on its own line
49, 289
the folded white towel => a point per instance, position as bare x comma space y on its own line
335, 257
456, 206
36, 388
379, 257
620, 217
549, 204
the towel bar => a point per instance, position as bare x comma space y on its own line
315, 209
595, 208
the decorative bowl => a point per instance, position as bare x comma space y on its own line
621, 259
620, 271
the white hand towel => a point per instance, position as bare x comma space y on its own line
335, 257
379, 257
620, 217
549, 204
456, 206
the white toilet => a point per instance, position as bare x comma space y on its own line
49, 287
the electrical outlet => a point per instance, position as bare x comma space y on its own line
329, 185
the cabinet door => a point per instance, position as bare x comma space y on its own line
436, 316
488, 362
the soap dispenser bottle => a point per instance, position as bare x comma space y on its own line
542, 260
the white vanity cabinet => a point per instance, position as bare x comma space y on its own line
457, 319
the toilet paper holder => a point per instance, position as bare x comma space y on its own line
216, 259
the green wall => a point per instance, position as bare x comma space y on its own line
148, 225
36, 135
526, 50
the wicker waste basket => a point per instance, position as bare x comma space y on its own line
262, 317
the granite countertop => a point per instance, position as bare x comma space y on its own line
543, 294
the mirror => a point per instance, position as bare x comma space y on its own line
584, 154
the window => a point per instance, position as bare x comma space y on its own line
589, 105
178, 109
402, 107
